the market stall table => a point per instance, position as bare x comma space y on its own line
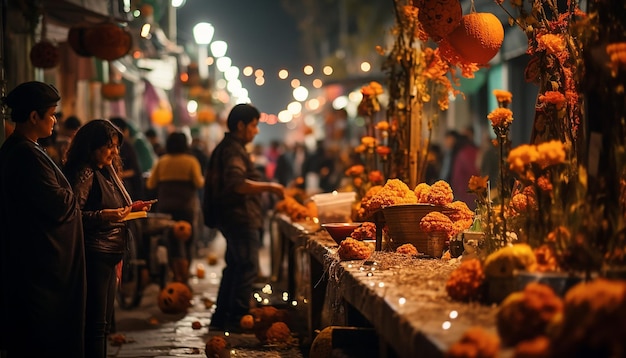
402, 298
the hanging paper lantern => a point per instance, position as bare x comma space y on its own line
107, 41
162, 116
174, 298
206, 115
44, 54
439, 17
76, 39
113, 91
478, 37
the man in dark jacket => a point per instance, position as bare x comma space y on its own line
42, 259
232, 203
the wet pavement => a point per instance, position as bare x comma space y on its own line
147, 332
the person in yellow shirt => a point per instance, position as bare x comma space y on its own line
176, 177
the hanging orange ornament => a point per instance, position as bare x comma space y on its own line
113, 91
107, 41
478, 37
76, 40
439, 17
162, 116
44, 54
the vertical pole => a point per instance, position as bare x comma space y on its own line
3, 82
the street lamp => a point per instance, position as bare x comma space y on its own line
203, 34
218, 48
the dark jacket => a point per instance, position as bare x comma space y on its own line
42, 261
230, 165
97, 190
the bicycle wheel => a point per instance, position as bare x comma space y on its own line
130, 290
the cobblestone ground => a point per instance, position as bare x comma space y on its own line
150, 333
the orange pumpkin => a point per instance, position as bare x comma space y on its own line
44, 55
182, 230
107, 41
247, 322
216, 346
478, 37
113, 91
76, 39
174, 298
439, 17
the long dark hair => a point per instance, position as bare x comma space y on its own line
89, 138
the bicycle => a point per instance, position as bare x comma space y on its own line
140, 266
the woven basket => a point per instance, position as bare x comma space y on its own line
403, 222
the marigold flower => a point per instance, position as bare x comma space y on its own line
383, 150
500, 117
382, 125
550, 153
544, 184
355, 170
478, 183
360, 149
436, 222
553, 44
520, 157
368, 141
376, 177
503, 96
553, 97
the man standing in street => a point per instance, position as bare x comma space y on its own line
232, 203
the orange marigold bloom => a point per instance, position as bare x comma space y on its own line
550, 153
553, 44
436, 222
503, 96
520, 157
368, 141
478, 183
553, 97
383, 150
355, 170
544, 184
376, 177
440, 193
376, 87
360, 148
382, 125
500, 117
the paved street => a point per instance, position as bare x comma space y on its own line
150, 333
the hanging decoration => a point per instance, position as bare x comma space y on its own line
440, 17
76, 40
44, 54
478, 37
113, 91
108, 41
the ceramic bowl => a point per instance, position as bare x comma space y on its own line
339, 231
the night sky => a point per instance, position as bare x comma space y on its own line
259, 33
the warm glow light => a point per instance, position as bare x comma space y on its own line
234, 86
313, 104
218, 48
259, 73
284, 116
317, 83
282, 74
308, 70
184, 77
247, 71
145, 31
365, 66
223, 63
260, 81
401, 301
295, 83
294, 108
210, 60
300, 93
177, 3
340, 102
203, 33
355, 96
232, 73
192, 106
327, 70
446, 325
